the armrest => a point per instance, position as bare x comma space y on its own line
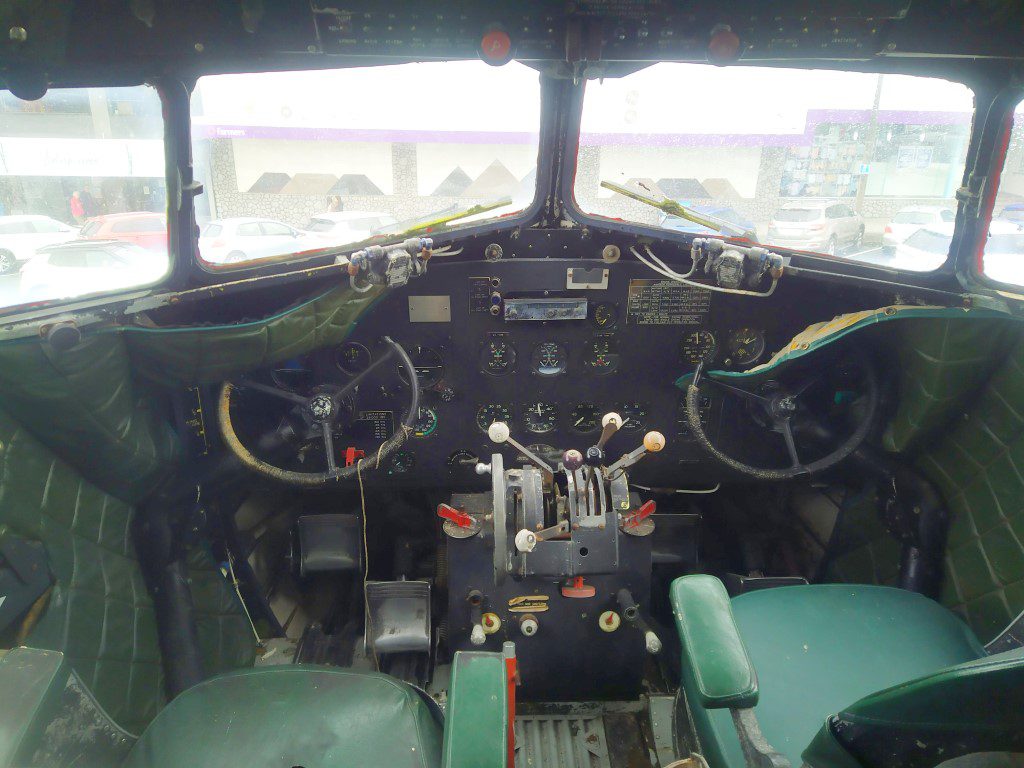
481, 709
715, 661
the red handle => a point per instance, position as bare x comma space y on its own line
457, 516
645, 511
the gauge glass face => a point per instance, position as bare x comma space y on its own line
540, 417
602, 356
634, 416
543, 450
426, 422
353, 358
746, 345
498, 357
698, 346
585, 417
492, 412
401, 462
549, 358
606, 314
428, 365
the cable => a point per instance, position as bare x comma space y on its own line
366, 569
680, 490
238, 591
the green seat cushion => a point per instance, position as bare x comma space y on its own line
819, 648
315, 717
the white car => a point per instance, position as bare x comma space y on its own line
233, 240
346, 227
928, 248
821, 226
22, 236
910, 219
924, 250
82, 267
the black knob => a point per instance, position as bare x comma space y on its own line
594, 456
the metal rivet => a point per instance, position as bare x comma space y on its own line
199, 47
18, 34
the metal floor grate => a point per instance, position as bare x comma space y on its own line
561, 741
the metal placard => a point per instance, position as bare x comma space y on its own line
430, 309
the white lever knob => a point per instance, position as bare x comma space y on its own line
483, 469
611, 418
526, 541
654, 441
498, 432
477, 636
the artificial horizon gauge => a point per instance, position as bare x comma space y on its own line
699, 346
428, 364
745, 346
585, 417
602, 355
540, 417
489, 413
353, 358
549, 358
498, 356
426, 422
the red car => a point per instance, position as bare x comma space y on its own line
142, 228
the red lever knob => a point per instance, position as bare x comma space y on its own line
645, 511
457, 516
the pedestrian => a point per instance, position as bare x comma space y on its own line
335, 204
77, 208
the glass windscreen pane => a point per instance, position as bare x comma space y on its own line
811, 160
1003, 258
340, 156
79, 166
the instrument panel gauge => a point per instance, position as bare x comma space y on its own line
401, 462
540, 417
602, 356
549, 359
353, 358
548, 453
498, 356
426, 422
634, 416
585, 417
699, 346
745, 346
605, 315
428, 364
492, 412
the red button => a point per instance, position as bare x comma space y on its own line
496, 47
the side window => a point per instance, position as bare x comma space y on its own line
15, 228
832, 212
947, 215
46, 226
67, 259
1003, 258
99, 259
276, 228
250, 229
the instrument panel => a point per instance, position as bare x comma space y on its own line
508, 341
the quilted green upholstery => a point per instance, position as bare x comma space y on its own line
863, 551
99, 613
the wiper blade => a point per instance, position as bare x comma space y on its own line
673, 208
441, 219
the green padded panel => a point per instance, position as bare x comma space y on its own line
100, 614
715, 662
861, 550
314, 717
979, 468
818, 648
194, 355
476, 721
82, 404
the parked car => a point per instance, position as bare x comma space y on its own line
147, 230
346, 227
910, 219
21, 236
925, 249
81, 267
1013, 212
730, 215
928, 248
242, 238
822, 226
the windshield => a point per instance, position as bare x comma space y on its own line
392, 148
855, 148
927, 240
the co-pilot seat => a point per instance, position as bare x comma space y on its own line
839, 675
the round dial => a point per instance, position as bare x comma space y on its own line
401, 462
699, 346
426, 422
602, 356
585, 417
498, 357
492, 412
549, 358
428, 365
353, 358
746, 345
634, 416
548, 453
606, 314
540, 417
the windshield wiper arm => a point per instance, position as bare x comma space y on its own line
673, 208
440, 220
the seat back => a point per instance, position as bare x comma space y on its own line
99, 614
977, 706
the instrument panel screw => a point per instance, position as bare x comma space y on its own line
199, 47
18, 34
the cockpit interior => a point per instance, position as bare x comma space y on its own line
523, 385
